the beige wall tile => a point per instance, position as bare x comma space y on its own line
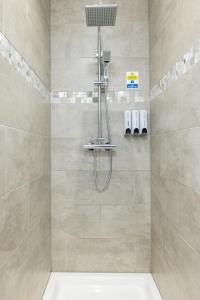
76, 158
123, 204
180, 206
131, 11
175, 152
123, 221
178, 107
77, 187
35, 49
2, 160
119, 67
74, 120
81, 221
26, 157
143, 254
24, 229
21, 105
1, 14
177, 156
93, 255
14, 221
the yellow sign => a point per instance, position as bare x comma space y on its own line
132, 80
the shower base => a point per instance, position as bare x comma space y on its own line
88, 286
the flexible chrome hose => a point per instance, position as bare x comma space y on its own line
109, 175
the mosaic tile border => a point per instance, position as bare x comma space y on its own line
9, 53
91, 97
182, 66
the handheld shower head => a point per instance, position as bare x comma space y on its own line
101, 15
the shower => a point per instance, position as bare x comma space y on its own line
97, 16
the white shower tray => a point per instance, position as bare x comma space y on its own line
91, 286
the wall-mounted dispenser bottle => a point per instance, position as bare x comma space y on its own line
127, 122
143, 122
135, 122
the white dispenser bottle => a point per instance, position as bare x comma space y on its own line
127, 122
143, 122
135, 122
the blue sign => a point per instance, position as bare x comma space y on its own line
132, 86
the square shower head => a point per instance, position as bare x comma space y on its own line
101, 15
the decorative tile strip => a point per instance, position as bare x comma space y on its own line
9, 53
182, 66
92, 97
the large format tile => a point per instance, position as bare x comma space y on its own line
78, 187
14, 221
121, 221
176, 263
66, 41
93, 255
35, 49
70, 12
176, 156
25, 274
74, 120
40, 212
2, 160
175, 152
68, 154
21, 105
120, 65
132, 153
75, 74
1, 14
178, 107
125, 206
81, 221
27, 157
25, 222
130, 11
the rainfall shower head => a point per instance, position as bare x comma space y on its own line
101, 15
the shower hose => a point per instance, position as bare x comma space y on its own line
95, 152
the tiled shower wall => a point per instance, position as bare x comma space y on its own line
94, 231
25, 259
175, 147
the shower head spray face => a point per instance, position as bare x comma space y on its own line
101, 15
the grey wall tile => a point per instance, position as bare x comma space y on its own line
26, 157
125, 205
31, 112
1, 14
121, 221
25, 226
2, 160
175, 151
25, 152
81, 221
35, 49
177, 156
93, 255
77, 187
